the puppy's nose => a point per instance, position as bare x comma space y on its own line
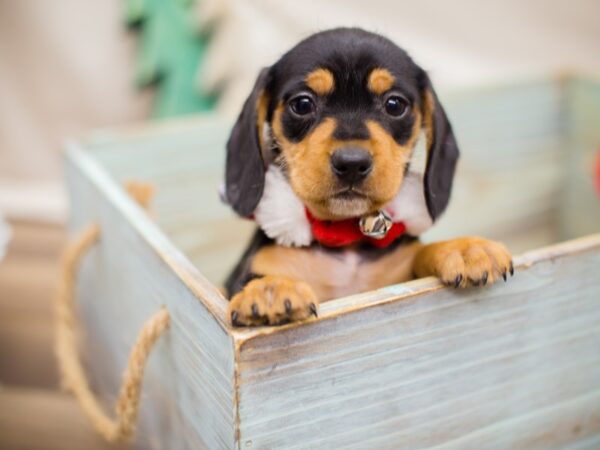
351, 164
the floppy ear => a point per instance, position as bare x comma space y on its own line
442, 151
245, 169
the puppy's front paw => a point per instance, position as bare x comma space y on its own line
272, 300
469, 261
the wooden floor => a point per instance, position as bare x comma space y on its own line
34, 413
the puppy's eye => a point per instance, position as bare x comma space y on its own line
302, 105
395, 105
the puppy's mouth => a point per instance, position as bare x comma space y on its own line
349, 193
348, 202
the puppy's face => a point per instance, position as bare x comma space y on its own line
346, 115
340, 113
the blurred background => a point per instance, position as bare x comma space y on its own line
70, 66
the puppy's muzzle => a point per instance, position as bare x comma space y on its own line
351, 164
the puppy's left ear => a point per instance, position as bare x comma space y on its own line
442, 150
245, 168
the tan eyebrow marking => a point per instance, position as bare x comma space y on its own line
320, 81
380, 81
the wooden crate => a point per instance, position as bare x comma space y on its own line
413, 365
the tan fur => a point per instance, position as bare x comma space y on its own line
333, 275
263, 302
380, 81
311, 177
462, 262
261, 117
321, 81
428, 108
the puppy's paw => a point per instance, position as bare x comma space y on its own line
463, 262
272, 300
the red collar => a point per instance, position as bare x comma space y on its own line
341, 233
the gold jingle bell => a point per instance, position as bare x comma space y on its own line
375, 225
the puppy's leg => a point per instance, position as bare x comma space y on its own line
463, 262
272, 300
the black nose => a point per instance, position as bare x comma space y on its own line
351, 164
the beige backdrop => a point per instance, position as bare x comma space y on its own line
66, 66
463, 43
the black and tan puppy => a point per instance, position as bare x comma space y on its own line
326, 144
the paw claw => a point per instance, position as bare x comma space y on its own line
504, 276
458, 280
288, 306
512, 269
313, 309
255, 310
484, 279
234, 317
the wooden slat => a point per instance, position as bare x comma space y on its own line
28, 272
36, 419
27, 281
27, 350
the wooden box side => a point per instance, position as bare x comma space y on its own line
187, 399
185, 160
515, 365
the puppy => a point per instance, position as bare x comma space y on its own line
324, 158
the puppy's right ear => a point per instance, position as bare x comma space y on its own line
245, 168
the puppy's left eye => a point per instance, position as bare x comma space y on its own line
395, 105
302, 105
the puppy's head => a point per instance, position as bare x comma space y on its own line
340, 113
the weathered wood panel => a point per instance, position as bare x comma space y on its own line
185, 160
447, 368
187, 399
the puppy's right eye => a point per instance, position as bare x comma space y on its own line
395, 106
302, 105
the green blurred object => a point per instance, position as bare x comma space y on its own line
171, 52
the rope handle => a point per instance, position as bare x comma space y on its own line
72, 373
